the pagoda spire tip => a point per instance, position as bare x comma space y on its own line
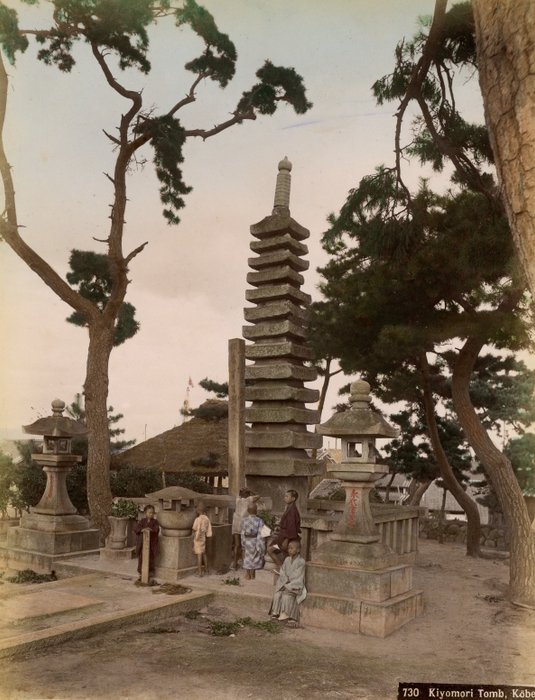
281, 205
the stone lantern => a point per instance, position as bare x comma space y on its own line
358, 428
356, 582
53, 528
56, 459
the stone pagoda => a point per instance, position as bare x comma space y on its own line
278, 440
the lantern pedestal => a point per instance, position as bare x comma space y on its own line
355, 582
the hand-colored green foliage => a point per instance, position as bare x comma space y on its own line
521, 452
120, 29
90, 275
219, 389
30, 576
123, 508
413, 274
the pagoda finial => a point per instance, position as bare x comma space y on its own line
282, 189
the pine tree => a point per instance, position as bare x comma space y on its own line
116, 34
415, 272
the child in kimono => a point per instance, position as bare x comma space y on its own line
290, 588
243, 501
253, 544
202, 528
148, 522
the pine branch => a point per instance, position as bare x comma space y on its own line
236, 119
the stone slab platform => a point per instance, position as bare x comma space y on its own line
366, 617
46, 614
43, 604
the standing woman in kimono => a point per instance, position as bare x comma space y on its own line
290, 589
252, 542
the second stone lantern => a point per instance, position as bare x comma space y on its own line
357, 583
358, 429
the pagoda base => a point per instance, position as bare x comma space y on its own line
357, 587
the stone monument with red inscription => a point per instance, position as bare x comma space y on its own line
356, 582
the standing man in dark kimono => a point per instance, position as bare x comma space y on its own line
149, 522
289, 529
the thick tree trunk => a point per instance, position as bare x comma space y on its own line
503, 479
473, 522
505, 39
96, 406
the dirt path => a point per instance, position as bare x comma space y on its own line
468, 634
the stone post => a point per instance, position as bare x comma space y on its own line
236, 416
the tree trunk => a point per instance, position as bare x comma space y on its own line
442, 516
96, 406
417, 494
503, 479
473, 522
505, 41
388, 486
323, 395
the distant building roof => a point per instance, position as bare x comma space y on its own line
175, 449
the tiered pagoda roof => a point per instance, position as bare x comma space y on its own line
278, 438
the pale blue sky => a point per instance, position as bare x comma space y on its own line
189, 284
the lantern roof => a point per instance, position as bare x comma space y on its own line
56, 425
174, 493
360, 420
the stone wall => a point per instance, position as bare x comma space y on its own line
455, 531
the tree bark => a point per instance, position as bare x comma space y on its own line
505, 40
388, 486
473, 523
503, 479
96, 385
417, 494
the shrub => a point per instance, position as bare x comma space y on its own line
269, 518
124, 509
135, 482
188, 480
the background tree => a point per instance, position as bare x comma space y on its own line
412, 453
116, 33
469, 282
6, 479
521, 452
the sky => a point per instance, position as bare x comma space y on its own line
188, 285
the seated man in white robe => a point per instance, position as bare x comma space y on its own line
290, 589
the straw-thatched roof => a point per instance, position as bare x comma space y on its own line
175, 449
